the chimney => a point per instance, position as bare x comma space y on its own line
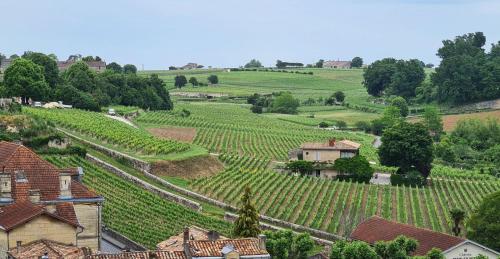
262, 242
185, 243
65, 185
331, 142
80, 174
34, 196
5, 187
213, 235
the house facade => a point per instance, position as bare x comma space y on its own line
324, 154
378, 229
337, 64
97, 66
41, 201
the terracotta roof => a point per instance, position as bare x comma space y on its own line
36, 249
19, 213
175, 243
378, 229
141, 255
67, 211
244, 246
338, 145
39, 173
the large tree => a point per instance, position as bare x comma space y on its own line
378, 75
247, 224
407, 146
407, 77
254, 63
50, 70
180, 81
285, 244
484, 225
80, 76
24, 78
113, 66
129, 68
401, 103
433, 121
353, 250
285, 103
357, 62
401, 247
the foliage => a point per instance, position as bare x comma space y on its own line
352, 250
378, 75
285, 103
283, 64
339, 96
129, 69
412, 178
407, 146
319, 64
401, 103
24, 78
50, 70
180, 81
300, 166
363, 125
458, 216
323, 124
434, 253
483, 225
341, 125
401, 247
357, 168
193, 81
253, 64
285, 244
115, 67
357, 62
433, 121
247, 224
213, 79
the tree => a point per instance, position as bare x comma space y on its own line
129, 69
50, 70
300, 166
113, 66
377, 76
433, 121
24, 78
429, 65
357, 167
407, 77
363, 125
407, 146
80, 76
458, 216
357, 62
401, 103
401, 247
339, 96
253, 64
341, 124
247, 224
342, 249
483, 225
193, 81
180, 81
319, 64
285, 244
285, 103
213, 79
434, 253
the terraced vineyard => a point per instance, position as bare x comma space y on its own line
138, 214
110, 132
337, 207
233, 129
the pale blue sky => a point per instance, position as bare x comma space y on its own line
226, 33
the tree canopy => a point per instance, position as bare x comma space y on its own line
247, 224
285, 244
357, 62
401, 103
213, 79
254, 63
129, 69
483, 225
50, 70
24, 78
180, 81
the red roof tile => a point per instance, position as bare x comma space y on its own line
333, 145
40, 174
141, 255
19, 213
378, 229
36, 249
244, 246
67, 211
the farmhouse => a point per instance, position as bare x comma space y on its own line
97, 66
324, 154
190, 247
378, 229
41, 201
337, 64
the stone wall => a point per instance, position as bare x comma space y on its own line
162, 193
118, 239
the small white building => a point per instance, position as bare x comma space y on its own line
469, 249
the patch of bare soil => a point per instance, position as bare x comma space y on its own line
192, 168
180, 134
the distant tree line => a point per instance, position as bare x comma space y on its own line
283, 64
36, 76
181, 81
467, 73
272, 70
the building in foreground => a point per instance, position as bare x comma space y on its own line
378, 229
41, 201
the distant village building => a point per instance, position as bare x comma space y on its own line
337, 64
324, 154
97, 66
47, 249
190, 66
4, 64
378, 229
40, 201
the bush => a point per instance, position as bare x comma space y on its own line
364, 126
324, 124
213, 79
256, 109
356, 168
341, 124
412, 178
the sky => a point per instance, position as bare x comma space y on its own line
155, 34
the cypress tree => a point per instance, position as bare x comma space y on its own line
247, 224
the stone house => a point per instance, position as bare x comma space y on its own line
97, 66
41, 201
337, 64
378, 229
4, 64
324, 154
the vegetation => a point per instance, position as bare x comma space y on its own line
213, 79
483, 224
247, 224
356, 168
253, 64
357, 62
458, 216
26, 79
180, 81
285, 244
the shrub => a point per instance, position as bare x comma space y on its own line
324, 124
341, 124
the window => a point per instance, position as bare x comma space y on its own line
346, 154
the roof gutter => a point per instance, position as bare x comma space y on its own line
75, 200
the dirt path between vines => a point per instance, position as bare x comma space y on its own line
174, 133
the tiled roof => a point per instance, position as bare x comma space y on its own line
244, 246
40, 174
378, 229
67, 211
175, 243
339, 145
19, 213
36, 249
141, 255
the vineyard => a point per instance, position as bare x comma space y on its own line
233, 129
109, 132
337, 207
138, 214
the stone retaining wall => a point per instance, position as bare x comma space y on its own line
112, 237
162, 193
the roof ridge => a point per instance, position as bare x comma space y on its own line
11, 154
